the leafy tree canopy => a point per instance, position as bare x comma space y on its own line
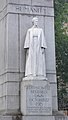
61, 33
61, 29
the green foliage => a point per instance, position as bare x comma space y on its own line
61, 28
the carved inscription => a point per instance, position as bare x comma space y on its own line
31, 10
27, 10
38, 99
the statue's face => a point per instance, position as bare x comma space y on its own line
36, 22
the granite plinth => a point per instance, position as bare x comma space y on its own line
36, 97
33, 118
44, 118
38, 118
17, 117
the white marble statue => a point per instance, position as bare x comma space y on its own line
35, 45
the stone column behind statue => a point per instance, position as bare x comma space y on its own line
35, 46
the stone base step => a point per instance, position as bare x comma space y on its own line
10, 117
61, 118
33, 117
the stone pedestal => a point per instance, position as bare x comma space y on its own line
36, 98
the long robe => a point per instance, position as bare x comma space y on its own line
35, 58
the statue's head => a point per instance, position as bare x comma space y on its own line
35, 21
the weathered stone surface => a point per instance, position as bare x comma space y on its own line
43, 2
12, 41
2, 5
1, 105
28, 2
14, 77
61, 118
54, 89
51, 75
26, 9
1, 87
54, 96
19, 1
12, 103
5, 117
9, 104
11, 77
54, 103
32, 10
9, 117
36, 98
2, 45
9, 94
44, 118
33, 118
50, 53
11, 88
38, 118
9, 44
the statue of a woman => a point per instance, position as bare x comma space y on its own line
35, 45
